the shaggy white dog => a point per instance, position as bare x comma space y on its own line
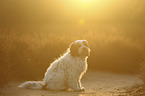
65, 72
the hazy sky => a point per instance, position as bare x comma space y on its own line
72, 11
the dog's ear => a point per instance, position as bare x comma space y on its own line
73, 49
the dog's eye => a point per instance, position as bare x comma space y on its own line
85, 44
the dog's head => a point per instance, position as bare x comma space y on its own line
80, 48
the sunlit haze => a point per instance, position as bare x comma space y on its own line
71, 11
34, 33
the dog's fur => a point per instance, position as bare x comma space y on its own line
65, 72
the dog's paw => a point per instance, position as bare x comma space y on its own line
82, 89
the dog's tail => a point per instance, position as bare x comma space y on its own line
32, 85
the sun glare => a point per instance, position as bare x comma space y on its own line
81, 21
85, 0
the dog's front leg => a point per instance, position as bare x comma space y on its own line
74, 82
82, 88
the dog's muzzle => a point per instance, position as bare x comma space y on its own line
85, 51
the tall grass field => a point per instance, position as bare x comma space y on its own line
27, 51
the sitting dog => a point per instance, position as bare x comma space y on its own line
65, 72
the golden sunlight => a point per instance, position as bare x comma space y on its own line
81, 21
85, 0
88, 1
46, 40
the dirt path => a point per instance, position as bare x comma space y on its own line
96, 84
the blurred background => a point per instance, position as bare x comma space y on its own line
33, 33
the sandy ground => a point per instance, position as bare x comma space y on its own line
95, 83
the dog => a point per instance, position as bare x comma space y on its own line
66, 72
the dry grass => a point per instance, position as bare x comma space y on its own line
26, 52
